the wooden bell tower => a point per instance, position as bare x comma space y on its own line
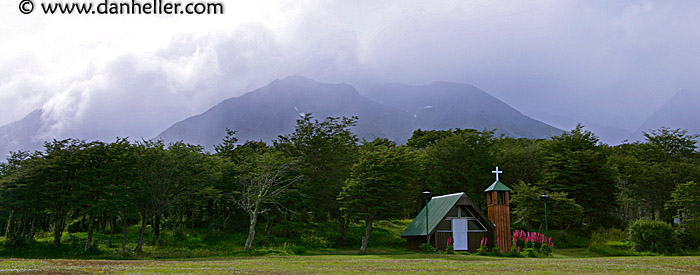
498, 201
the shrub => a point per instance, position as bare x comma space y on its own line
16, 242
534, 240
76, 226
496, 251
284, 249
180, 233
604, 235
565, 239
530, 252
689, 237
268, 251
75, 241
611, 242
213, 233
612, 248
654, 236
481, 251
450, 246
422, 247
514, 252
315, 240
298, 249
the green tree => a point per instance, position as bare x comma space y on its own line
574, 163
90, 190
686, 200
674, 142
378, 185
652, 235
62, 176
646, 180
227, 145
650, 171
521, 159
326, 150
155, 187
461, 162
528, 212
268, 179
421, 139
22, 195
121, 190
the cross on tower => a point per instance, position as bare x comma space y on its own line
496, 172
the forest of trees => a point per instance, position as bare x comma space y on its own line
322, 172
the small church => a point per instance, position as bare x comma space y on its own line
453, 217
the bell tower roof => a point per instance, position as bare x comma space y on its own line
497, 186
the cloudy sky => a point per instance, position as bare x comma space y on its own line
607, 62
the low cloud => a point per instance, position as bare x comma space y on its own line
612, 63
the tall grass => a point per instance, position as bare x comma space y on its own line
284, 239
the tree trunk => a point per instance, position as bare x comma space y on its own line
251, 231
124, 235
9, 223
192, 219
23, 226
228, 216
58, 228
111, 230
88, 243
365, 239
156, 229
268, 227
344, 224
82, 222
210, 209
30, 236
144, 222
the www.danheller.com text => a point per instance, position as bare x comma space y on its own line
135, 7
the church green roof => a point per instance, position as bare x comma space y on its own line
497, 186
438, 208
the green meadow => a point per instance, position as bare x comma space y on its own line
368, 264
199, 252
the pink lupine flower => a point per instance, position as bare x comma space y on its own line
484, 241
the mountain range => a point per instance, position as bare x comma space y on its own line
24, 134
390, 111
681, 111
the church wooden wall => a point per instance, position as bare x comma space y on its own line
439, 240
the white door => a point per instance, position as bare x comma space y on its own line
459, 234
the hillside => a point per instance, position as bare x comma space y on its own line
681, 111
444, 105
397, 110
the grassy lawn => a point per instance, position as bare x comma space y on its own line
365, 264
197, 252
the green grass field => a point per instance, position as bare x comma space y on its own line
366, 264
197, 252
